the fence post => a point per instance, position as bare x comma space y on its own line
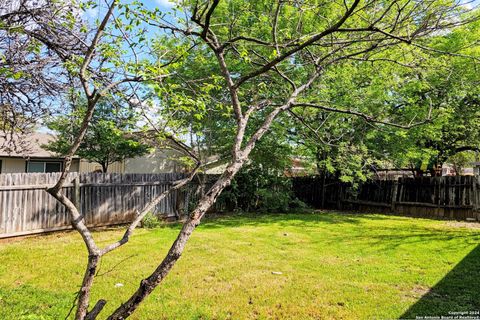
476, 197
394, 195
339, 196
76, 193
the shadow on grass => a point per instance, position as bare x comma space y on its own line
457, 294
384, 238
287, 219
231, 220
393, 234
351, 227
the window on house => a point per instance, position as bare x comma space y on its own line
1, 166
53, 166
44, 166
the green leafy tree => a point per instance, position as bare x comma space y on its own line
451, 86
108, 138
445, 87
240, 67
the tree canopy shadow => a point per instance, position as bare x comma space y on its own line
457, 294
286, 219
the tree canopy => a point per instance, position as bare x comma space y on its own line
109, 137
347, 82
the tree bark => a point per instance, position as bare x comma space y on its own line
84, 293
150, 283
78, 222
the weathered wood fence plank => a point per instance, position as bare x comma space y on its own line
103, 199
455, 197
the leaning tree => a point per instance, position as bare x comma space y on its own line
52, 56
247, 62
273, 58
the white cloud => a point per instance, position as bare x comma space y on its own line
165, 3
92, 12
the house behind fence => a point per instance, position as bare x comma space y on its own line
103, 199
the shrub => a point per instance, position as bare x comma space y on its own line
151, 221
256, 188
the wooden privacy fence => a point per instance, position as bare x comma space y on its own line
317, 191
456, 197
103, 199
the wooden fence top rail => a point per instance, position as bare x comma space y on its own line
70, 185
433, 205
405, 203
122, 183
368, 203
432, 185
31, 187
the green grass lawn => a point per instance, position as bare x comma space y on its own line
333, 266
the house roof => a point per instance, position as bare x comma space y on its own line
26, 145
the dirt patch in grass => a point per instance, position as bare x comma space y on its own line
419, 291
463, 224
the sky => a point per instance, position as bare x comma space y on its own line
164, 3
167, 5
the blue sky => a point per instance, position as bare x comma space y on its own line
162, 3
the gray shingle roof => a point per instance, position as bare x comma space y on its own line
26, 146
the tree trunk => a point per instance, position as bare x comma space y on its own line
150, 283
84, 293
78, 222
104, 167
